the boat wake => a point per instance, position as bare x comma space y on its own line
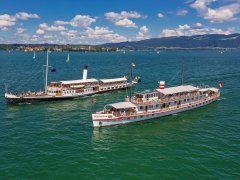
24, 103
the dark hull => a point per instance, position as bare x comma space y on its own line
36, 99
51, 98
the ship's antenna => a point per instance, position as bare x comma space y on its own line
182, 80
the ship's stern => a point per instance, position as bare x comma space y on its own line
11, 98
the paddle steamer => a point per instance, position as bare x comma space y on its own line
69, 89
160, 102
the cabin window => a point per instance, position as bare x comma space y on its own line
141, 107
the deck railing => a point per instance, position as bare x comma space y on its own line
168, 100
130, 113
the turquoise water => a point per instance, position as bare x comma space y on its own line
56, 140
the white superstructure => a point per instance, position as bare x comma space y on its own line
155, 104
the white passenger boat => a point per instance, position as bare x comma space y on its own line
69, 89
160, 102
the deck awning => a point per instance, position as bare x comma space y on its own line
77, 86
209, 89
123, 105
113, 80
213, 89
177, 89
81, 81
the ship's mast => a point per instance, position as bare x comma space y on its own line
46, 75
6, 87
131, 84
182, 80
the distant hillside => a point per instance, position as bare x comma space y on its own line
198, 41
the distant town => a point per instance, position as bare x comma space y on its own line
54, 47
198, 42
85, 48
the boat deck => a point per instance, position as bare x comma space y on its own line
159, 110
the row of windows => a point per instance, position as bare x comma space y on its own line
54, 91
156, 114
112, 87
151, 95
68, 92
142, 116
167, 104
87, 90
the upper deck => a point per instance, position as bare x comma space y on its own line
171, 94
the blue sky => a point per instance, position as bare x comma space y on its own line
100, 21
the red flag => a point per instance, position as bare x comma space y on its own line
220, 84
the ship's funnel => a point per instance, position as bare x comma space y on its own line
162, 84
85, 71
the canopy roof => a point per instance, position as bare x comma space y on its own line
113, 80
178, 89
209, 89
78, 86
146, 92
79, 81
123, 105
213, 89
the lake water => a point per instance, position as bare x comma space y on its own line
57, 140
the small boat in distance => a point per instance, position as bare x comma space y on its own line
68, 58
34, 55
160, 102
70, 89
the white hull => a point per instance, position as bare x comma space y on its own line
110, 120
